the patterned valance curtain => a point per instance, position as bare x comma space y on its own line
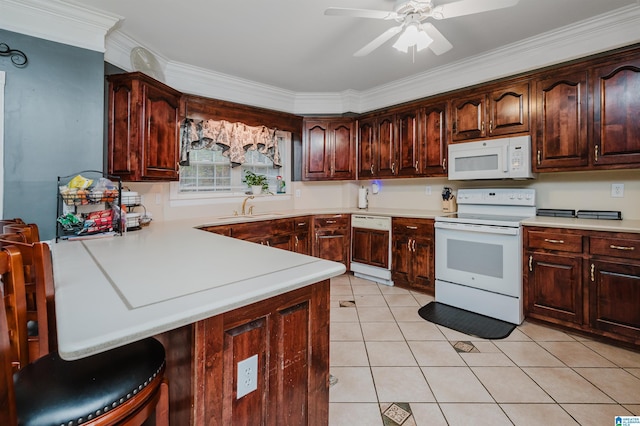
235, 139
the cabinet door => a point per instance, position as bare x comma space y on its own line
554, 287
509, 110
300, 243
160, 134
316, 150
468, 117
407, 146
616, 117
423, 263
332, 245
560, 139
367, 166
614, 292
433, 140
386, 154
123, 130
401, 259
342, 150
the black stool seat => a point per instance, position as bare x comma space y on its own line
52, 391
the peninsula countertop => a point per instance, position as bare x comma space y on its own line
112, 291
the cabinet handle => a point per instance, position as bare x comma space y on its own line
539, 154
409, 244
530, 263
412, 227
302, 223
547, 240
417, 162
268, 245
490, 126
482, 127
596, 152
621, 247
413, 246
296, 237
393, 168
444, 164
317, 238
330, 221
372, 168
593, 268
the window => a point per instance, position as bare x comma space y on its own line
209, 173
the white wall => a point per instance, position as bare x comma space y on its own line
569, 190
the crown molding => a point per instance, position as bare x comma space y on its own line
58, 21
70, 23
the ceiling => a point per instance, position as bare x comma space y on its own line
292, 45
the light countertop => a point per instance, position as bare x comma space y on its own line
625, 225
112, 291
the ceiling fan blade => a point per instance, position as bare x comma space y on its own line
440, 44
378, 41
468, 7
360, 13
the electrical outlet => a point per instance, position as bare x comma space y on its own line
617, 190
158, 198
297, 193
247, 380
427, 190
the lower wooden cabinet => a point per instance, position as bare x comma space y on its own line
288, 333
288, 234
587, 280
413, 264
331, 237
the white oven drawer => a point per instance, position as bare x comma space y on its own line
486, 261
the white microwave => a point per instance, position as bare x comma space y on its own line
505, 158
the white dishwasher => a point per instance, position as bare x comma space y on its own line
371, 248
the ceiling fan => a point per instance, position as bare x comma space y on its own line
411, 15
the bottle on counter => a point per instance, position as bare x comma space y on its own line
280, 187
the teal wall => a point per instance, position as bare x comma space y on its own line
53, 124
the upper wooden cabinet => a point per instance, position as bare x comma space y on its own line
616, 114
377, 137
502, 111
143, 133
328, 149
433, 139
574, 133
560, 137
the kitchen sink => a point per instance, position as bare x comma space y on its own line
249, 216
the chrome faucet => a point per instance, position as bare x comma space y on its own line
244, 205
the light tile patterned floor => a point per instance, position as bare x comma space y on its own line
383, 352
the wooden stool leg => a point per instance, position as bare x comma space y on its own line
162, 408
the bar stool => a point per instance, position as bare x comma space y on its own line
123, 386
30, 230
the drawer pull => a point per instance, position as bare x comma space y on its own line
330, 221
530, 263
547, 240
412, 227
621, 247
593, 268
302, 223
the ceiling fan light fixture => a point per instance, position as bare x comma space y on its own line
412, 36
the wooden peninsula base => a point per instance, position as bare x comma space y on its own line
290, 335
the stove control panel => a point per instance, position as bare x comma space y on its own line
498, 196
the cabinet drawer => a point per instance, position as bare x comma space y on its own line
549, 240
262, 228
414, 227
628, 248
301, 224
332, 221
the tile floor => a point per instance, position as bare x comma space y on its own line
388, 359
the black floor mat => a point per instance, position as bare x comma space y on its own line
465, 321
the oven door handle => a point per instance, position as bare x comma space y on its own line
485, 229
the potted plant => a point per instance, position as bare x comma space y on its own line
256, 182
